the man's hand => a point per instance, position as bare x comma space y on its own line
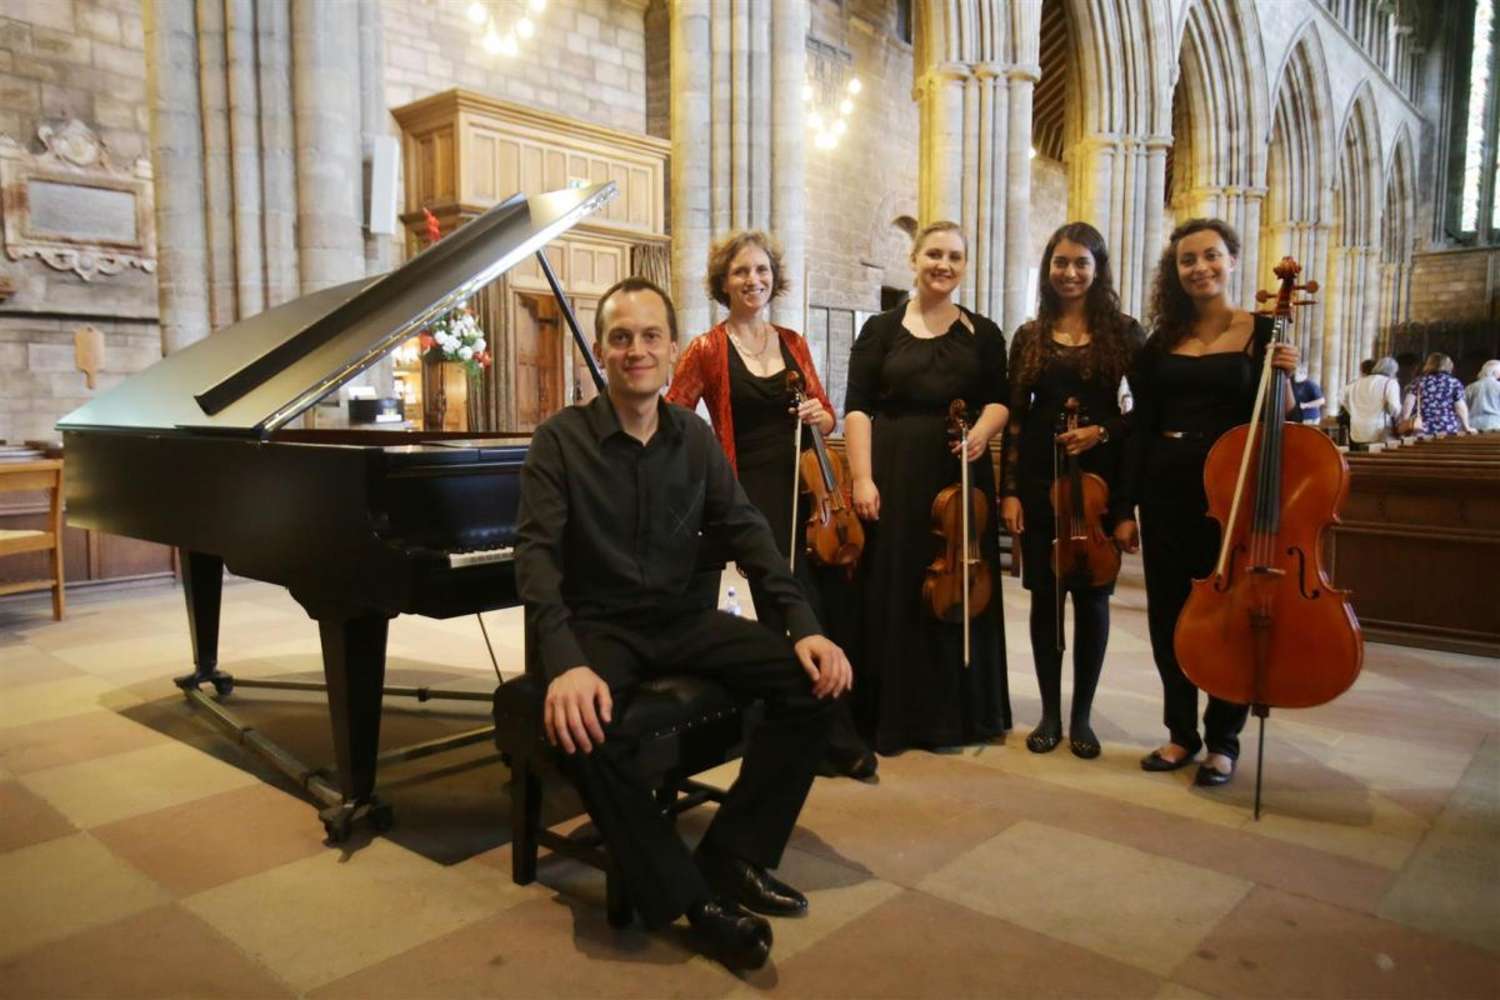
1127, 535
826, 664
576, 703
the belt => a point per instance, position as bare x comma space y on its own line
1185, 435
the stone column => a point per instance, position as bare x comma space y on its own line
1254, 201
691, 163
1370, 322
941, 93
991, 251
325, 73
762, 103
1018, 192
1155, 211
788, 154
244, 137
278, 150
218, 187
177, 159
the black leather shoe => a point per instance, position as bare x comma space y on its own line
750, 885
738, 939
1211, 777
1154, 761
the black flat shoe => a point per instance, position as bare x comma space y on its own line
1154, 761
738, 939
1211, 777
861, 765
750, 885
1044, 738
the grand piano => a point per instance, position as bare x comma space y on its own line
198, 452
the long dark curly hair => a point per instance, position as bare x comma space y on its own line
1171, 312
1109, 351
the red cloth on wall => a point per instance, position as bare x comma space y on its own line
703, 373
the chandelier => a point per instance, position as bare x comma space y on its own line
829, 93
506, 23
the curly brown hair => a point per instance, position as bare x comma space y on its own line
1109, 352
727, 248
1171, 312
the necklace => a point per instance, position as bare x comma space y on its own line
741, 341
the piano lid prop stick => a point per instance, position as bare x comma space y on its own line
567, 308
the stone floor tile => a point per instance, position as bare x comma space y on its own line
339, 912
218, 838
916, 945
48, 700
1278, 944
95, 792
27, 818
64, 886
72, 739
160, 952
1134, 907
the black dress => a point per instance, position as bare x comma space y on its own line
911, 687
1183, 404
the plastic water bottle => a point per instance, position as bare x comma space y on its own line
731, 603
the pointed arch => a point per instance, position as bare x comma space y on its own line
1357, 201
1299, 166
1219, 123
1397, 224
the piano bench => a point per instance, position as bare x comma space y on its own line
682, 726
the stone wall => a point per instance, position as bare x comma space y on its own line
1455, 285
587, 59
62, 60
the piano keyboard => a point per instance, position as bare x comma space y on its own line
479, 557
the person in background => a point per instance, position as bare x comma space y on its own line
1483, 398
1309, 396
1437, 396
1374, 402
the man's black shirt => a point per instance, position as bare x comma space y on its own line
609, 527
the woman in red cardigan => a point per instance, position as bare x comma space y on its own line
739, 369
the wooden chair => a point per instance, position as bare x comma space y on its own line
43, 474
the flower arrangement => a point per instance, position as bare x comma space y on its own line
456, 336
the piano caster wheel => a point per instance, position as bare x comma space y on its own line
337, 829
223, 683
338, 821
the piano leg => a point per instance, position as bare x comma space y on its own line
354, 666
203, 586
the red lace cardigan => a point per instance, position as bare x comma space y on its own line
703, 373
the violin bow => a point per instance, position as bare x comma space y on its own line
794, 386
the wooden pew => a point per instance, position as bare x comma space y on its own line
1419, 541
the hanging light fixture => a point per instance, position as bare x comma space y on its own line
506, 23
829, 94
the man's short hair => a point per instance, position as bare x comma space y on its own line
634, 284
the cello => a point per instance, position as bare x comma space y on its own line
957, 586
1266, 628
835, 536
1083, 553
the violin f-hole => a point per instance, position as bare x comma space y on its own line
1310, 594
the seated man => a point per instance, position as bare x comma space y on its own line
613, 497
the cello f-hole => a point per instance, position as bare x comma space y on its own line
1313, 593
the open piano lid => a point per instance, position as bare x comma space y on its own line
252, 377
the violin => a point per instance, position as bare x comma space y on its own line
1267, 628
957, 586
1083, 553
835, 536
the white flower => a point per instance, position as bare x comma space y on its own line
479, 344
465, 353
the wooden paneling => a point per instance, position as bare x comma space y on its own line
1418, 535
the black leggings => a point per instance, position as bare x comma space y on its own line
1090, 637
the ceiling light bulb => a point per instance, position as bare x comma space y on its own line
525, 28
846, 106
491, 42
477, 13
508, 44
839, 127
854, 85
538, 5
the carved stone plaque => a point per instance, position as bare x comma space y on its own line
71, 208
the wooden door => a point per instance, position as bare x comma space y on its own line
539, 369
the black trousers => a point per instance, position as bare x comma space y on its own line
833, 602
761, 810
1180, 544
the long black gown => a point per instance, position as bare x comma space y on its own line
911, 687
